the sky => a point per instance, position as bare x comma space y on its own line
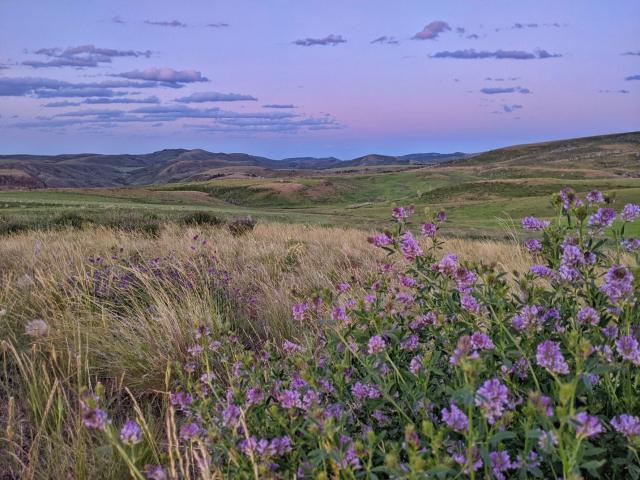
288, 78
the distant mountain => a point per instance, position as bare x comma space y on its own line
617, 154
172, 165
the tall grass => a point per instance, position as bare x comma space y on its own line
121, 306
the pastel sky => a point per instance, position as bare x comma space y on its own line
284, 78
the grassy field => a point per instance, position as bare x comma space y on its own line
479, 201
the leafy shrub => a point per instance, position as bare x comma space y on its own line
240, 226
442, 370
69, 220
201, 218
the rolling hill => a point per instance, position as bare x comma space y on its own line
590, 157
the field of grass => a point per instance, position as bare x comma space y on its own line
480, 200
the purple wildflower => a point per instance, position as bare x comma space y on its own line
587, 425
442, 216
363, 390
230, 415
155, 472
339, 313
481, 341
428, 229
542, 403
455, 418
131, 433
631, 245
181, 400
533, 223
588, 316
381, 240
618, 283
289, 399
627, 347
492, 398
410, 343
595, 196
299, 310
291, 348
542, 271
549, 356
458, 453
530, 318
627, 425
254, 396
500, 463
533, 245
603, 218
95, 418
470, 304
189, 431
402, 213
375, 345
630, 212
409, 247
568, 197
415, 364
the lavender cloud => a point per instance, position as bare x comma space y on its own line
200, 97
472, 54
81, 56
632, 77
165, 75
171, 23
386, 40
499, 90
332, 40
279, 105
432, 30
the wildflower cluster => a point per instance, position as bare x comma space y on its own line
441, 368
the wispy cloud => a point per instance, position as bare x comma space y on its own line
117, 19
636, 53
167, 75
170, 23
472, 54
328, 40
279, 105
432, 30
614, 91
103, 101
217, 25
81, 56
632, 77
386, 40
51, 88
200, 97
499, 90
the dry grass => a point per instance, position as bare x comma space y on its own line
127, 340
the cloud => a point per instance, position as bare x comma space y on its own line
279, 105
81, 56
386, 40
98, 101
50, 88
632, 77
636, 53
511, 108
432, 30
498, 90
64, 103
165, 75
117, 19
614, 91
473, 36
332, 40
172, 23
471, 53
200, 97
218, 25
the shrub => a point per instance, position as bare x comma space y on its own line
201, 218
242, 225
70, 220
443, 369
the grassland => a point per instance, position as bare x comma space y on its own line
477, 205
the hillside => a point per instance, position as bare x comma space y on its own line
172, 165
